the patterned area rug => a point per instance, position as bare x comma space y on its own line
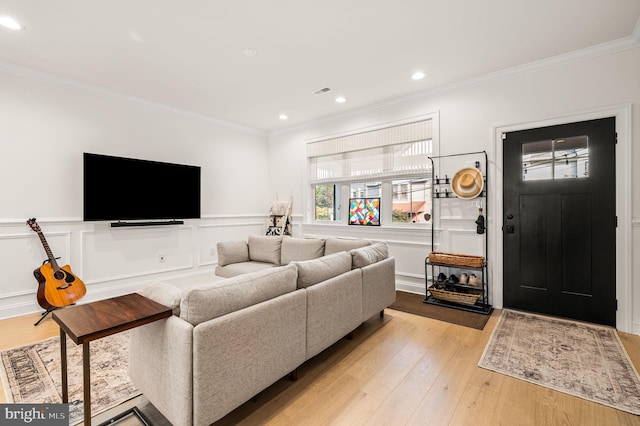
580, 359
31, 374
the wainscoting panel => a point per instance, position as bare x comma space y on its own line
27, 254
110, 255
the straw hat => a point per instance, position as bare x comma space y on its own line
467, 183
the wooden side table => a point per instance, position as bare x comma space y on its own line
91, 321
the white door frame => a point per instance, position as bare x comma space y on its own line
622, 113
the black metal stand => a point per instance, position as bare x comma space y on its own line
45, 313
482, 306
132, 411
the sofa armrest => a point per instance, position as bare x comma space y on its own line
238, 355
232, 252
160, 366
378, 287
165, 294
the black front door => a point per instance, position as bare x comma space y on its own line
559, 221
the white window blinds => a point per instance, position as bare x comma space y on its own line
397, 151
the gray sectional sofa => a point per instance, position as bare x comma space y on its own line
230, 338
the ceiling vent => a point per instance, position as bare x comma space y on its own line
321, 91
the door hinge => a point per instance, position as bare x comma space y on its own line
616, 138
616, 304
616, 221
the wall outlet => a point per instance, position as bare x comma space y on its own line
161, 258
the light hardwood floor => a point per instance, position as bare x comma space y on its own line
402, 369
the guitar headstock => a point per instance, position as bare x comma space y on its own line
32, 223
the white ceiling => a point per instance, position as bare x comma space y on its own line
189, 54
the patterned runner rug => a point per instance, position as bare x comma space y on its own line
31, 374
580, 359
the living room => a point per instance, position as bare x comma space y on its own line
50, 120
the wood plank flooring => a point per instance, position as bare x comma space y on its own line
402, 369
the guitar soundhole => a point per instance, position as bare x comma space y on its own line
58, 275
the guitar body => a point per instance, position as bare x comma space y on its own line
57, 289
57, 286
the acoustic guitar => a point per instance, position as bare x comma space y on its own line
57, 286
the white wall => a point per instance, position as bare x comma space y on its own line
47, 124
470, 115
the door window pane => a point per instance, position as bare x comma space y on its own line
565, 158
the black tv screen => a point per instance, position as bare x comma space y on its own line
120, 189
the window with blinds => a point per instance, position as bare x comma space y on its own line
399, 151
385, 156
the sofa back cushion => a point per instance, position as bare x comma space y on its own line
265, 248
365, 256
335, 245
221, 297
301, 249
232, 252
314, 271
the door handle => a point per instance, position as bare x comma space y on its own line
510, 229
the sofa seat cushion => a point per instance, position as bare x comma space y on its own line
265, 248
334, 245
232, 252
311, 272
221, 297
235, 269
366, 256
301, 249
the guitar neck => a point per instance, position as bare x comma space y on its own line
47, 249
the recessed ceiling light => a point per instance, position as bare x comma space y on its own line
418, 75
341, 99
283, 116
9, 22
250, 52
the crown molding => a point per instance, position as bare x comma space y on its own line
43, 77
630, 42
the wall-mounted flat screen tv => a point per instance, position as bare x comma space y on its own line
364, 211
120, 189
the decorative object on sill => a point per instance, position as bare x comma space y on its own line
467, 183
584, 360
480, 222
33, 374
427, 217
455, 259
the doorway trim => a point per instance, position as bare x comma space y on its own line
622, 114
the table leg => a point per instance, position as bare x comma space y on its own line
86, 383
63, 363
